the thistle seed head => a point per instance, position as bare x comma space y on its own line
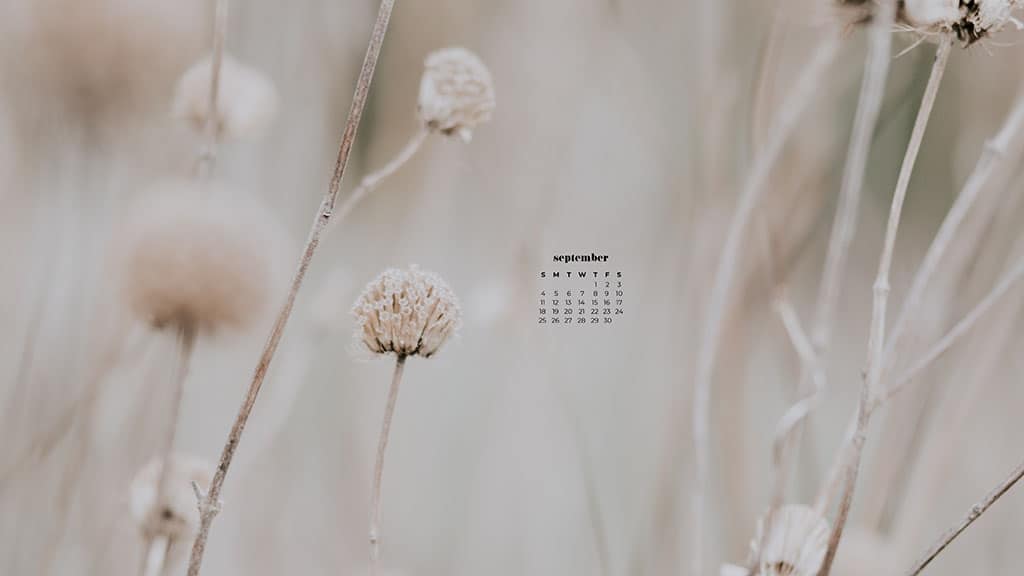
407, 312
194, 254
456, 93
175, 515
246, 99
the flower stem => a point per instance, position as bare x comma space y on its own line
186, 342
370, 182
975, 512
210, 503
378, 470
876, 337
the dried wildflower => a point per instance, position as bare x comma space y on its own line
456, 93
408, 312
793, 545
246, 98
174, 516
197, 255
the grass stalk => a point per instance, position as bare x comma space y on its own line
209, 503
208, 153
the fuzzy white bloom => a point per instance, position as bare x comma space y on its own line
969, 20
456, 93
175, 516
795, 545
408, 312
246, 98
196, 254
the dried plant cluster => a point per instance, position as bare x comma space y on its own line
196, 255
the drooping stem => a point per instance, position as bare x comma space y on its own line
975, 512
753, 188
370, 182
876, 336
210, 503
156, 555
378, 469
211, 125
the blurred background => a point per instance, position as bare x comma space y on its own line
623, 128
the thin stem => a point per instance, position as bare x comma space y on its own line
186, 342
958, 330
876, 337
156, 555
869, 106
378, 469
209, 505
370, 182
995, 150
750, 196
211, 125
975, 512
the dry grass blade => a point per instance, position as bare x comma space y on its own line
209, 504
208, 154
976, 511
753, 188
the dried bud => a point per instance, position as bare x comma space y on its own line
175, 515
456, 93
406, 312
246, 98
195, 254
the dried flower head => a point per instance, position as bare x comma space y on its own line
195, 254
456, 93
175, 515
969, 20
795, 544
408, 312
246, 98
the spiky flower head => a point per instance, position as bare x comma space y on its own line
456, 93
407, 312
174, 515
246, 98
197, 254
969, 20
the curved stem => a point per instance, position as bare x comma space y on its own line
210, 503
378, 470
750, 196
876, 337
370, 182
975, 512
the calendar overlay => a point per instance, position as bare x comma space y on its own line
580, 290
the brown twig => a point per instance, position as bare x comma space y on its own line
378, 470
975, 512
876, 336
209, 503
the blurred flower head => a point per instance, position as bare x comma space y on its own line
456, 93
970, 20
196, 254
408, 312
793, 545
175, 515
246, 98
